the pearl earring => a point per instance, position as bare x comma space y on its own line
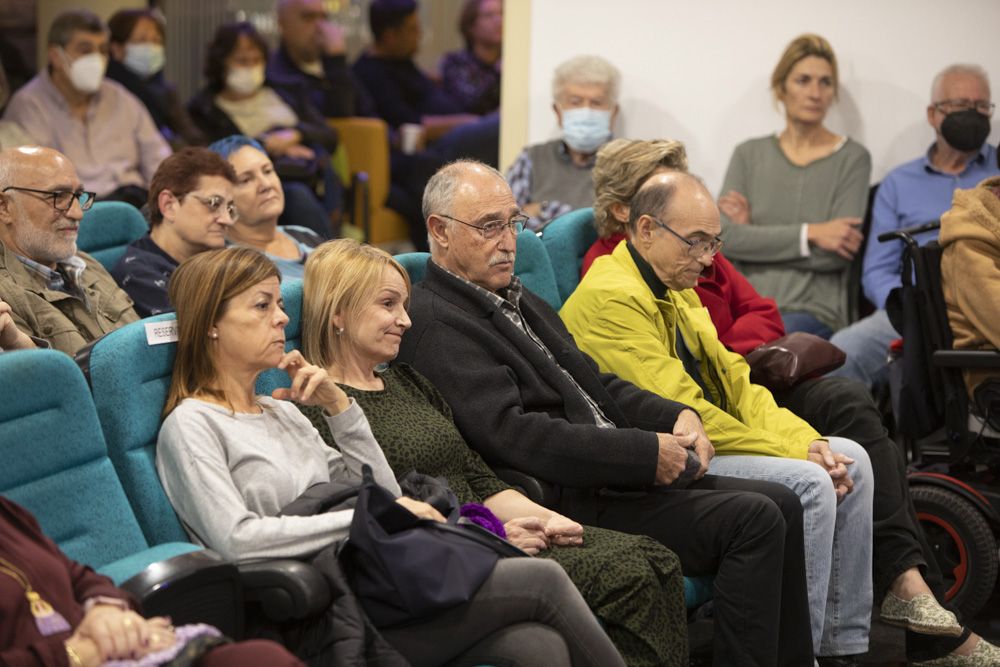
340, 331
213, 335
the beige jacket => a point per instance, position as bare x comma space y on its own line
970, 271
57, 317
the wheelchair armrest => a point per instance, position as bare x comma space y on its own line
542, 492
195, 587
286, 589
966, 358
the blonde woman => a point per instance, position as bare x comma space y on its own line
792, 202
354, 313
230, 460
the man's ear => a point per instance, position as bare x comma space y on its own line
555, 107
56, 58
437, 229
643, 230
8, 212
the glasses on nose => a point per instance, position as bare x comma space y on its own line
696, 249
950, 106
214, 205
62, 200
493, 228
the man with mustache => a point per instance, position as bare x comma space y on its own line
525, 397
55, 293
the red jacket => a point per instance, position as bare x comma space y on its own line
743, 318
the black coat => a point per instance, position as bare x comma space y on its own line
513, 404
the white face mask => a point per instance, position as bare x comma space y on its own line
87, 72
144, 58
245, 80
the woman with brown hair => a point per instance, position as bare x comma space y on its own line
354, 316
230, 460
793, 201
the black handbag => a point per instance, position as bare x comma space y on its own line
403, 567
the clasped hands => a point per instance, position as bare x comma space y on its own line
108, 632
835, 464
688, 433
532, 534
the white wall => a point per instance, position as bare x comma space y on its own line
698, 71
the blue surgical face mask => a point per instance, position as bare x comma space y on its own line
586, 129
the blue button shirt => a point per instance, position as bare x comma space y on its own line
912, 194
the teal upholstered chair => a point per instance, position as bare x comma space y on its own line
534, 268
107, 228
415, 264
55, 463
567, 239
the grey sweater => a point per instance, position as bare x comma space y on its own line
783, 196
228, 475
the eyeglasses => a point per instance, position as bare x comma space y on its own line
494, 228
949, 106
214, 203
62, 200
696, 249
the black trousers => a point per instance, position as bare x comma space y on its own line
843, 407
749, 535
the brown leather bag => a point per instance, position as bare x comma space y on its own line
787, 361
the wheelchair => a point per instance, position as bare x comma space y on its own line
954, 452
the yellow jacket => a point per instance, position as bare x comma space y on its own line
615, 318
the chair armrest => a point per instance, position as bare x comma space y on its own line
286, 589
967, 358
541, 492
196, 587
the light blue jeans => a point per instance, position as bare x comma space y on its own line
838, 540
866, 343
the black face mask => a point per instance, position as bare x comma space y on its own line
965, 130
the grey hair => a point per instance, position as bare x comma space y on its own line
440, 190
967, 69
62, 28
587, 70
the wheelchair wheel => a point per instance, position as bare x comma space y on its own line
963, 544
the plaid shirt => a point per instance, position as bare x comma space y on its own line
508, 301
64, 278
519, 179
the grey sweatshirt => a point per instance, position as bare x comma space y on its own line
228, 475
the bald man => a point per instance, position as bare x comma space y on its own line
54, 292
